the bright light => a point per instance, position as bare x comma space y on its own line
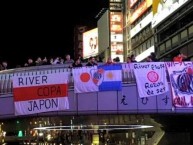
49, 137
90, 43
41, 134
95, 127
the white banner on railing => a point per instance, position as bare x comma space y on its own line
181, 78
151, 78
40, 93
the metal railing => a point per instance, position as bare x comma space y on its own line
6, 83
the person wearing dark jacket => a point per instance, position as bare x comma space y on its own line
91, 61
77, 63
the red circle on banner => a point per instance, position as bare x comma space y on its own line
85, 77
152, 76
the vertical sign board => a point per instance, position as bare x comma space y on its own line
40, 93
116, 29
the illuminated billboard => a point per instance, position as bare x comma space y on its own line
116, 33
132, 3
140, 10
116, 37
163, 8
90, 43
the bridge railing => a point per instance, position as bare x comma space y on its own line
6, 83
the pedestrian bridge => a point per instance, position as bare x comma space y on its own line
126, 101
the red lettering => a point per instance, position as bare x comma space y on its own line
191, 100
180, 101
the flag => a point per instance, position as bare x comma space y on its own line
97, 78
112, 77
83, 79
151, 78
40, 93
181, 82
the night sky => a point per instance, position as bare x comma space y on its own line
34, 28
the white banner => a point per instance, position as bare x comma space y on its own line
181, 78
151, 78
40, 93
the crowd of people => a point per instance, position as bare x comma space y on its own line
78, 62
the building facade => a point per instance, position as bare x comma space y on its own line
163, 27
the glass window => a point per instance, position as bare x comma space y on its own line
140, 49
155, 39
148, 43
137, 51
184, 50
190, 50
144, 46
175, 40
184, 35
190, 29
162, 48
168, 44
152, 41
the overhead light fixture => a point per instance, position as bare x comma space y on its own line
90, 127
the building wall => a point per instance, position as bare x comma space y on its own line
139, 32
175, 33
167, 31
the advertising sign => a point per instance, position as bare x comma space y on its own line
115, 5
116, 28
140, 10
163, 8
90, 43
132, 3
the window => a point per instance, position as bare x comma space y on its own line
175, 40
190, 30
152, 41
140, 49
162, 48
190, 50
184, 35
148, 43
144, 46
168, 44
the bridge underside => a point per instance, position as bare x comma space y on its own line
124, 128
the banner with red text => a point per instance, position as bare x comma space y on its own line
40, 93
151, 78
181, 78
